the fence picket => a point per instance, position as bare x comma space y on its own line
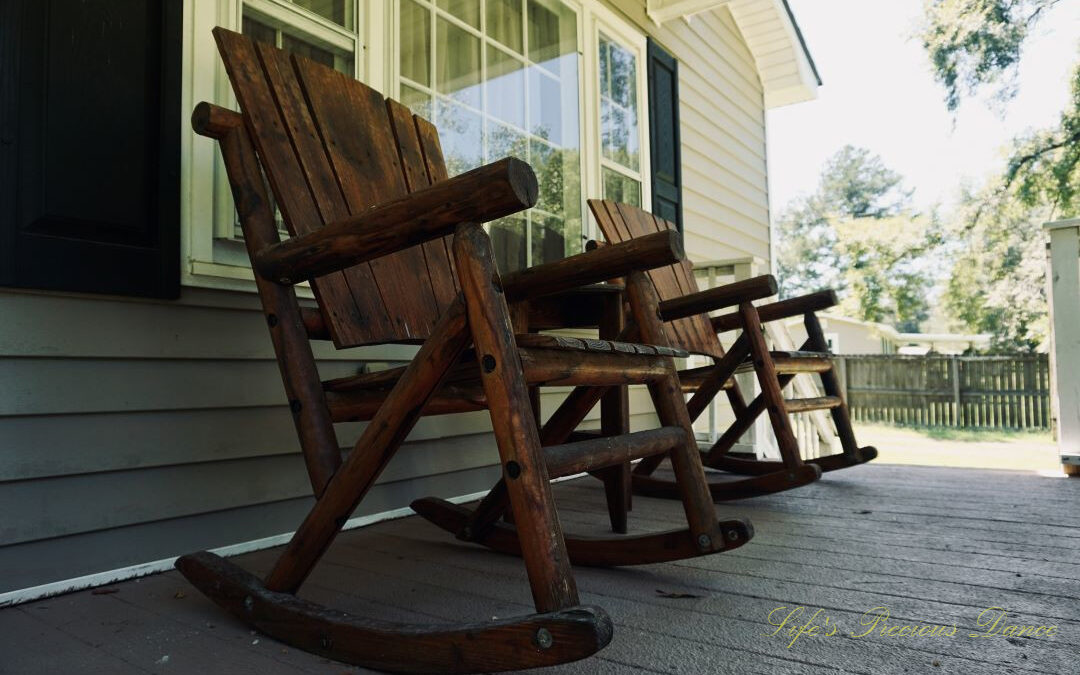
997, 392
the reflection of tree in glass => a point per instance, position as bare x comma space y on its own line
618, 104
460, 132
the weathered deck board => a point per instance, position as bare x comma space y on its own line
935, 545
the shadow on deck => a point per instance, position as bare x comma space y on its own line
936, 546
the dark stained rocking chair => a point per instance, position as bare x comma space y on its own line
685, 311
394, 254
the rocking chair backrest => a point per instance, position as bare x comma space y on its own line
620, 223
332, 147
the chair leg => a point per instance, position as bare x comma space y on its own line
852, 454
771, 392
380, 440
614, 421
670, 406
542, 545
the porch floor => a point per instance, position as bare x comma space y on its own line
934, 545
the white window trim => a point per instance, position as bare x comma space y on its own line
211, 259
600, 19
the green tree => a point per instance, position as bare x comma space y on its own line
998, 279
857, 234
997, 284
975, 45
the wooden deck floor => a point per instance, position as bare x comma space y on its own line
934, 545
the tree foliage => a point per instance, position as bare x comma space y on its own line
998, 280
975, 44
857, 234
997, 284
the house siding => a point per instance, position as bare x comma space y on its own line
722, 112
133, 430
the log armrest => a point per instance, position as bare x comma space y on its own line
804, 304
718, 298
591, 267
487, 193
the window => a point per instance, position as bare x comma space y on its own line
620, 161
499, 78
558, 83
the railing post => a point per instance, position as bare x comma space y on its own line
1064, 301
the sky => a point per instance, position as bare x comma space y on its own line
878, 92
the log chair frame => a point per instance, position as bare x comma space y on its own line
685, 311
340, 245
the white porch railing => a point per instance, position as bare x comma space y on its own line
1064, 299
814, 430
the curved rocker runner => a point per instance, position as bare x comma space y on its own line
391, 247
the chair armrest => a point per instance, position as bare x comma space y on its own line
719, 297
591, 267
487, 193
804, 304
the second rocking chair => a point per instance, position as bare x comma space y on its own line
685, 311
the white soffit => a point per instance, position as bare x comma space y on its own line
787, 71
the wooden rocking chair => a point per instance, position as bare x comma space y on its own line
685, 311
394, 254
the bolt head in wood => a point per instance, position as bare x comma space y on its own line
544, 639
488, 363
513, 469
704, 542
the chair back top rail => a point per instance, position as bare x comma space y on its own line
622, 222
332, 147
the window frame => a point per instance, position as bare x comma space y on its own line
213, 256
628, 36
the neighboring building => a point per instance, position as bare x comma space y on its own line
141, 413
853, 336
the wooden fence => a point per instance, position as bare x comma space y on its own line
996, 392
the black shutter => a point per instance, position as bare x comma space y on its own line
665, 149
90, 145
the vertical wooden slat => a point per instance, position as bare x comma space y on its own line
436, 168
355, 127
436, 253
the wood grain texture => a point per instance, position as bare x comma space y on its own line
525, 474
507, 644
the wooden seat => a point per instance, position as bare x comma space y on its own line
686, 313
394, 253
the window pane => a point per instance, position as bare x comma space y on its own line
619, 188
549, 239
460, 134
317, 54
338, 11
508, 241
262, 32
466, 10
504, 22
618, 104
259, 31
505, 87
552, 31
504, 141
418, 101
529, 108
457, 59
415, 54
